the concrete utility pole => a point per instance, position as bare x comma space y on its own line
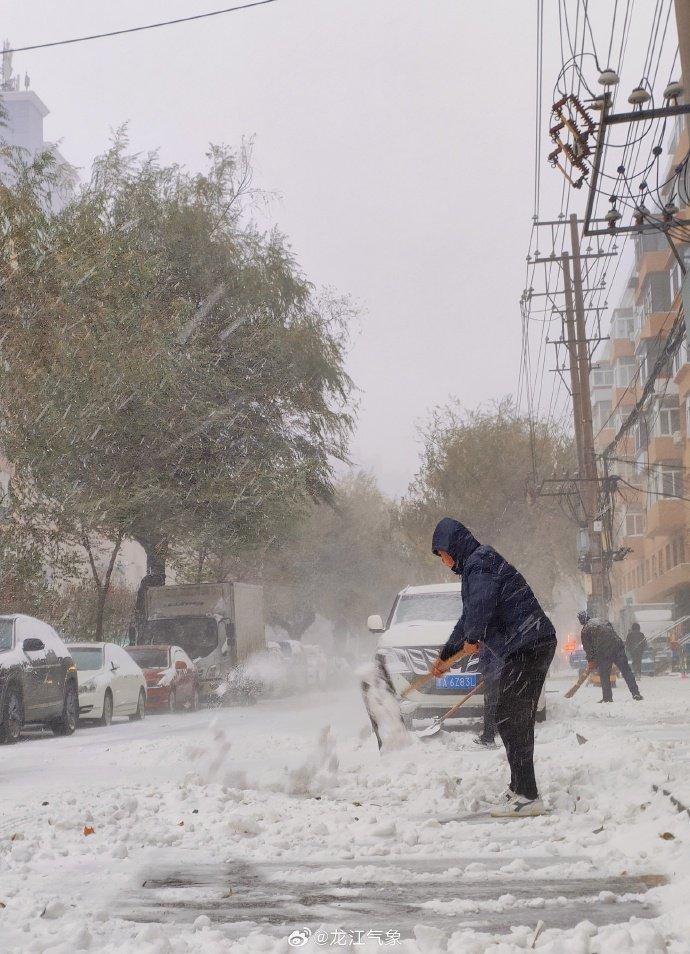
571, 345
683, 27
597, 598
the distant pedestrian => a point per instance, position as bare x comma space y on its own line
674, 646
604, 649
636, 646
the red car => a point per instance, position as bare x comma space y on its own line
172, 680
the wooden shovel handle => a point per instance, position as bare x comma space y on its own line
420, 680
581, 680
454, 709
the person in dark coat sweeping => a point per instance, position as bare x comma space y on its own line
636, 646
501, 612
604, 648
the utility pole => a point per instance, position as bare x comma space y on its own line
571, 345
597, 598
683, 27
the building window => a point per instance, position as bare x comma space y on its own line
634, 524
672, 481
665, 481
648, 301
624, 372
602, 413
648, 242
640, 435
624, 328
602, 377
668, 557
676, 279
680, 357
668, 421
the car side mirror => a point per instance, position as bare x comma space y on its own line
180, 665
375, 624
114, 667
33, 645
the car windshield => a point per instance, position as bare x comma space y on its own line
87, 658
428, 607
197, 636
6, 634
150, 657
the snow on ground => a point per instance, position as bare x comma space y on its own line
226, 831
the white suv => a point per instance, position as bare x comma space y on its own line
419, 624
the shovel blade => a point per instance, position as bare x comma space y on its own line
428, 731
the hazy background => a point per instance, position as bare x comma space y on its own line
399, 135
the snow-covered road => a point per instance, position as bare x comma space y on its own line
227, 831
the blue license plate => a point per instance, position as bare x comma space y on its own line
464, 682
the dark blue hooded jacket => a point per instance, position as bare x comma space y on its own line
498, 607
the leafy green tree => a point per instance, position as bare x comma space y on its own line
478, 466
168, 373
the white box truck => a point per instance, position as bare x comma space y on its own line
219, 626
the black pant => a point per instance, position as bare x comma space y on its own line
490, 699
604, 666
520, 685
637, 663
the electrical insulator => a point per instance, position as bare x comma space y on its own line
673, 90
639, 96
608, 77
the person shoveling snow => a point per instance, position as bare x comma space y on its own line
604, 649
501, 611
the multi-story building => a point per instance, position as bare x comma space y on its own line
651, 518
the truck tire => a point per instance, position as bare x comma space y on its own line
12, 716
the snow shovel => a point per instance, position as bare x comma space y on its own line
383, 703
435, 726
581, 680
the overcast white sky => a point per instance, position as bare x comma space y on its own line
399, 134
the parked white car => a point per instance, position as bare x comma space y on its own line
110, 682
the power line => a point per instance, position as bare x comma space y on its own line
139, 29
654, 493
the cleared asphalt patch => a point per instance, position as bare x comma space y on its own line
280, 897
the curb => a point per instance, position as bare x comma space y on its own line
676, 802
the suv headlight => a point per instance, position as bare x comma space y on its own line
88, 686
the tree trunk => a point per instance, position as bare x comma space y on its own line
156, 549
102, 585
104, 588
156, 556
100, 612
